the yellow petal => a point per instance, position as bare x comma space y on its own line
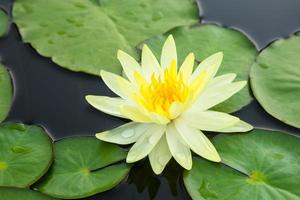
176, 109
210, 65
109, 105
117, 84
178, 148
129, 64
241, 126
145, 143
158, 118
150, 64
168, 53
199, 84
125, 134
135, 114
186, 68
160, 156
214, 95
222, 80
197, 141
208, 120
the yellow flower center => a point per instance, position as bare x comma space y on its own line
164, 90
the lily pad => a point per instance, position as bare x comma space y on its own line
3, 22
275, 80
259, 165
85, 35
25, 154
84, 166
204, 40
5, 92
22, 194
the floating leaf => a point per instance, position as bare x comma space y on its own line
84, 166
204, 40
5, 92
25, 154
275, 80
22, 194
3, 22
259, 165
85, 35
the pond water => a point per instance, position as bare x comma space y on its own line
48, 95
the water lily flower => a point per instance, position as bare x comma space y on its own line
169, 107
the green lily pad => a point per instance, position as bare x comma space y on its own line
84, 166
22, 194
275, 80
5, 92
204, 40
25, 154
3, 22
85, 35
259, 165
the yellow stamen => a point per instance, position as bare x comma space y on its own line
158, 94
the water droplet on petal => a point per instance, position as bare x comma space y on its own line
152, 139
127, 133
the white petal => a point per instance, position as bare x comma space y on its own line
160, 156
214, 95
157, 118
168, 53
222, 80
129, 64
186, 68
176, 109
241, 126
109, 105
125, 134
135, 114
178, 148
197, 141
150, 64
117, 84
209, 120
145, 143
210, 64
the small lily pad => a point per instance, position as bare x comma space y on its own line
25, 154
275, 80
5, 92
22, 194
204, 40
4, 21
84, 166
259, 165
85, 35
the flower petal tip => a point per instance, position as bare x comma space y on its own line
101, 135
88, 97
130, 160
157, 172
119, 53
103, 73
220, 54
217, 158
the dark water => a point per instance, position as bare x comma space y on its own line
48, 95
